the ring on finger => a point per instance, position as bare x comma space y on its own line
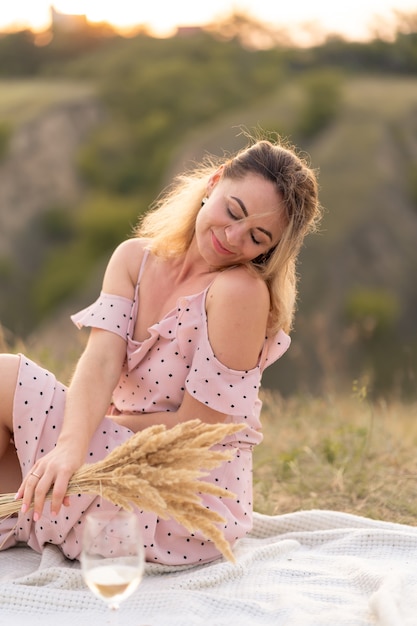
35, 474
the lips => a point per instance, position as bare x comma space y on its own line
218, 246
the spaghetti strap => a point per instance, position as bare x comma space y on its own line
142, 266
141, 270
135, 302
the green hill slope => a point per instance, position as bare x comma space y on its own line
358, 296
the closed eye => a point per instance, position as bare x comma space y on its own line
237, 218
232, 215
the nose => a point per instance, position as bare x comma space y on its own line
234, 233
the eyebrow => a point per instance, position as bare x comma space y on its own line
246, 214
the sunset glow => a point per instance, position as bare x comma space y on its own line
355, 19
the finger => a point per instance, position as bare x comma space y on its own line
21, 491
27, 490
39, 496
58, 494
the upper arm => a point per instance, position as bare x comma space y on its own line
103, 357
105, 350
238, 306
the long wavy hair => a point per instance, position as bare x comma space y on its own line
170, 222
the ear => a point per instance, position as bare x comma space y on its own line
214, 179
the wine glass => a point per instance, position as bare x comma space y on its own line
112, 556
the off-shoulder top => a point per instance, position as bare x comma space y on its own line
177, 355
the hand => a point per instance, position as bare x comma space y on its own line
54, 471
128, 420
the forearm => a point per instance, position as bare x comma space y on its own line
89, 394
139, 421
190, 409
87, 402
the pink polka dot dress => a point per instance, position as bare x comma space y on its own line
176, 356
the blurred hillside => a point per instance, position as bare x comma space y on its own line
92, 126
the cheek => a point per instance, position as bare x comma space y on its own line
201, 225
205, 217
199, 222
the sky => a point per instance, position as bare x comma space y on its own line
351, 19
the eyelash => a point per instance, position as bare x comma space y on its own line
235, 217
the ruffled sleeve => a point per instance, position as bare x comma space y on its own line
274, 348
108, 312
212, 383
209, 381
222, 389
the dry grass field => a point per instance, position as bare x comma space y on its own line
342, 453
346, 454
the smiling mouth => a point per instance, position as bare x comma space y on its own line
218, 246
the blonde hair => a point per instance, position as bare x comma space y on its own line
170, 223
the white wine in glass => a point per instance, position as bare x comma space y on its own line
112, 556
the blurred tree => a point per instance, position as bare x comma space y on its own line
155, 95
412, 183
250, 32
100, 224
373, 312
5, 135
19, 56
373, 315
323, 98
56, 225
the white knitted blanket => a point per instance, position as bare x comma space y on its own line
312, 568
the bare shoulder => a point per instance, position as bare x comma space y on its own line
123, 268
239, 286
238, 306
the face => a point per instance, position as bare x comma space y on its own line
241, 220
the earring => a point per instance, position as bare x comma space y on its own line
204, 200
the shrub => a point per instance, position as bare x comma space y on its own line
373, 312
5, 135
412, 183
323, 97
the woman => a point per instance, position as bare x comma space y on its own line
191, 312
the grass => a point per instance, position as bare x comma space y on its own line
21, 100
343, 454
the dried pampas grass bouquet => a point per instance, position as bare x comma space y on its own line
159, 470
